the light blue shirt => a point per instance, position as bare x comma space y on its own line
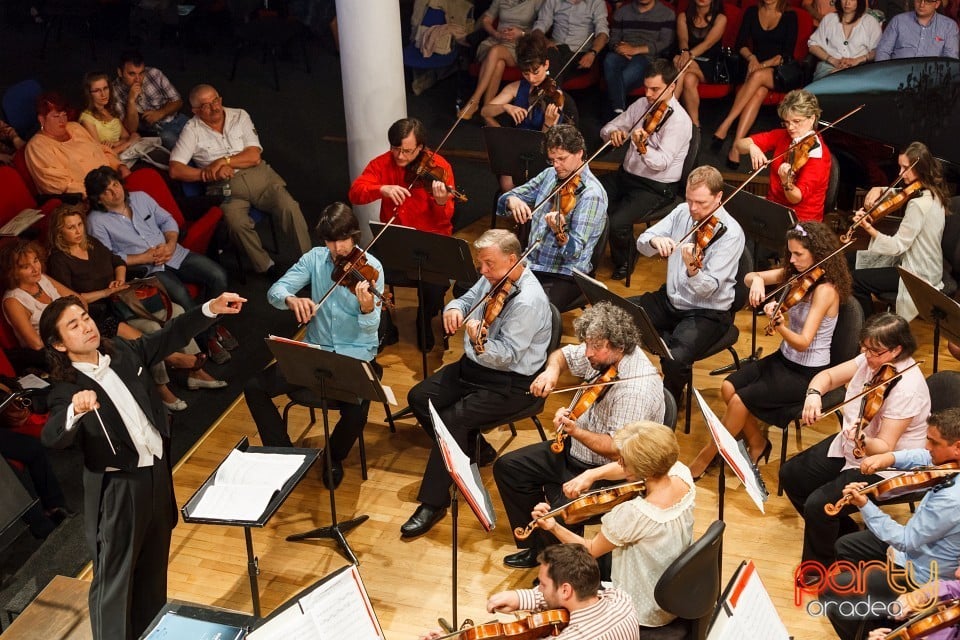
712, 286
130, 236
518, 339
338, 326
905, 37
932, 535
572, 20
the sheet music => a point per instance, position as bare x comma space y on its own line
244, 485
31, 381
732, 453
748, 611
21, 222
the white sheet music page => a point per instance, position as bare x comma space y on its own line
244, 485
727, 445
748, 612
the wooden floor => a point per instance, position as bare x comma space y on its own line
410, 581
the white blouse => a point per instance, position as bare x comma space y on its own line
829, 36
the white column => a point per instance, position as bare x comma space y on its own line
374, 96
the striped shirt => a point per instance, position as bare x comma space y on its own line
611, 618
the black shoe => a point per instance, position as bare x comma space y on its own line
431, 340
733, 165
716, 142
619, 273
337, 470
422, 521
523, 559
389, 337
486, 455
58, 514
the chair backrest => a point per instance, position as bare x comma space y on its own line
599, 248
14, 195
944, 389
20, 164
740, 289
150, 181
830, 199
693, 150
669, 409
846, 335
804, 31
734, 17
20, 107
690, 586
556, 329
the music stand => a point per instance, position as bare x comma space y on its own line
766, 224
15, 500
595, 291
424, 257
935, 307
513, 152
331, 376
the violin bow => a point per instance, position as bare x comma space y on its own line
587, 385
868, 390
883, 195
787, 283
556, 77
500, 282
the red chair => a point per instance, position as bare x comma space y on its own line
15, 197
800, 50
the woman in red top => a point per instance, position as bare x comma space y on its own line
803, 186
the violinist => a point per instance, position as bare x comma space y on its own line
912, 604
345, 323
533, 474
647, 179
816, 476
483, 385
798, 180
569, 226
928, 545
644, 534
427, 205
692, 310
570, 579
916, 244
761, 390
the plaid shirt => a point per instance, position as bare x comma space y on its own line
584, 224
157, 91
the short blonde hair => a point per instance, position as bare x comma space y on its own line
801, 102
708, 176
504, 240
648, 449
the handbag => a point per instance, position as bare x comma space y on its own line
149, 150
788, 75
143, 289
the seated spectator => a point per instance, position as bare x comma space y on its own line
572, 23
919, 33
767, 37
142, 233
10, 141
845, 39
819, 9
641, 31
62, 153
149, 103
699, 35
100, 117
499, 50
83, 264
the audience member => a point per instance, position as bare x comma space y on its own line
226, 150
700, 38
100, 117
573, 23
819, 9
844, 39
920, 33
10, 142
641, 31
147, 100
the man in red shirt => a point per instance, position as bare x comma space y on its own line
422, 204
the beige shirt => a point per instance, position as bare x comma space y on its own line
60, 167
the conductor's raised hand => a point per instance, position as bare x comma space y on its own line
452, 320
227, 303
84, 401
303, 308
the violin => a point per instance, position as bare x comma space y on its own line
902, 484
883, 206
426, 171
653, 121
943, 615
593, 503
797, 156
566, 201
544, 94
352, 269
882, 382
495, 304
540, 624
585, 399
708, 230
793, 295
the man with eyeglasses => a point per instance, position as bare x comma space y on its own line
220, 148
418, 202
920, 33
149, 102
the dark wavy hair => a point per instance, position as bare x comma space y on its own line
61, 368
338, 222
928, 170
716, 8
96, 182
572, 564
889, 331
531, 51
821, 241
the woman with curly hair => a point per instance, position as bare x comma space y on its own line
761, 389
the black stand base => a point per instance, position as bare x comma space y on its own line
333, 532
253, 570
730, 368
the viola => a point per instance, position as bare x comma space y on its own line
902, 484
352, 269
495, 304
653, 121
526, 627
593, 503
583, 400
707, 231
883, 206
943, 615
793, 295
882, 382
425, 171
797, 157
545, 94
566, 201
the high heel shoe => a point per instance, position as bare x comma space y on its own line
468, 110
733, 165
714, 462
716, 142
765, 454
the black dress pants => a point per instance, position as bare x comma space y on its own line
631, 199
885, 280
561, 290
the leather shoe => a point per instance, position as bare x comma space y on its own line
523, 559
619, 273
486, 455
336, 468
422, 521
226, 338
216, 351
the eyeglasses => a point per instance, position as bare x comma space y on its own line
873, 353
400, 151
795, 122
927, 1
207, 106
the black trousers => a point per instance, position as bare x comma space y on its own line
885, 280
561, 289
270, 383
688, 334
28, 450
531, 475
811, 480
130, 551
433, 295
631, 199
851, 618
466, 396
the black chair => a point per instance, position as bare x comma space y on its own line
595, 259
690, 588
661, 212
844, 346
830, 199
669, 409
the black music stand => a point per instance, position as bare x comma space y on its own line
766, 224
424, 257
595, 291
514, 152
934, 307
15, 501
253, 567
331, 376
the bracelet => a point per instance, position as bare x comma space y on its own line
813, 392
227, 160
684, 50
